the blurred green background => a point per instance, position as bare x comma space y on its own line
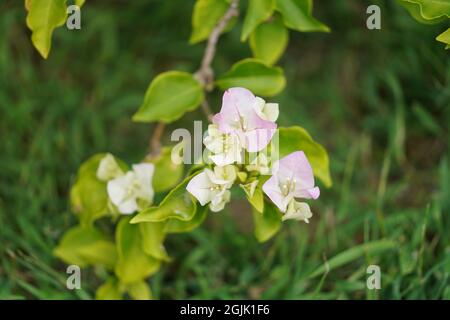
379, 101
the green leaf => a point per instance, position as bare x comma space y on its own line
178, 204
257, 199
44, 16
206, 15
110, 290
85, 246
153, 236
354, 253
178, 226
445, 38
89, 198
432, 9
254, 75
269, 41
167, 173
80, 2
298, 139
267, 223
415, 11
169, 96
297, 15
133, 263
257, 12
139, 291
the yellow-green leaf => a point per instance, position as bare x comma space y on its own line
206, 15
44, 16
297, 15
153, 236
269, 40
257, 12
85, 246
167, 173
254, 75
267, 223
178, 204
445, 38
298, 139
139, 291
178, 226
169, 96
110, 290
133, 263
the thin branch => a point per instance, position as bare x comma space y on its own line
205, 73
155, 140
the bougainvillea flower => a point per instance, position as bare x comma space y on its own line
239, 115
267, 111
298, 211
108, 168
292, 177
226, 147
133, 190
260, 164
212, 186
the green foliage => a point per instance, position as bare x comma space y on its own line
179, 226
445, 38
86, 246
296, 138
269, 41
178, 204
255, 197
169, 96
44, 16
133, 263
110, 290
205, 17
267, 223
167, 173
343, 258
254, 75
297, 15
153, 236
430, 12
258, 11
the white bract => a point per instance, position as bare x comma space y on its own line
266, 111
108, 168
133, 190
226, 147
260, 164
212, 186
298, 211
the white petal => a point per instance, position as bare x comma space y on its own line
117, 189
199, 187
128, 206
144, 174
298, 211
271, 111
108, 168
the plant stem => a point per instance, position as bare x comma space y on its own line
155, 140
205, 73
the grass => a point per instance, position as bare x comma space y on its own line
379, 101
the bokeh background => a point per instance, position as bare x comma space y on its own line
379, 101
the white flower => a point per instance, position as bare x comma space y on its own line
260, 164
212, 186
266, 111
108, 168
133, 190
226, 147
298, 211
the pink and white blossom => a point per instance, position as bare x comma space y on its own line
292, 178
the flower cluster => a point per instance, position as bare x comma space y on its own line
243, 128
128, 191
